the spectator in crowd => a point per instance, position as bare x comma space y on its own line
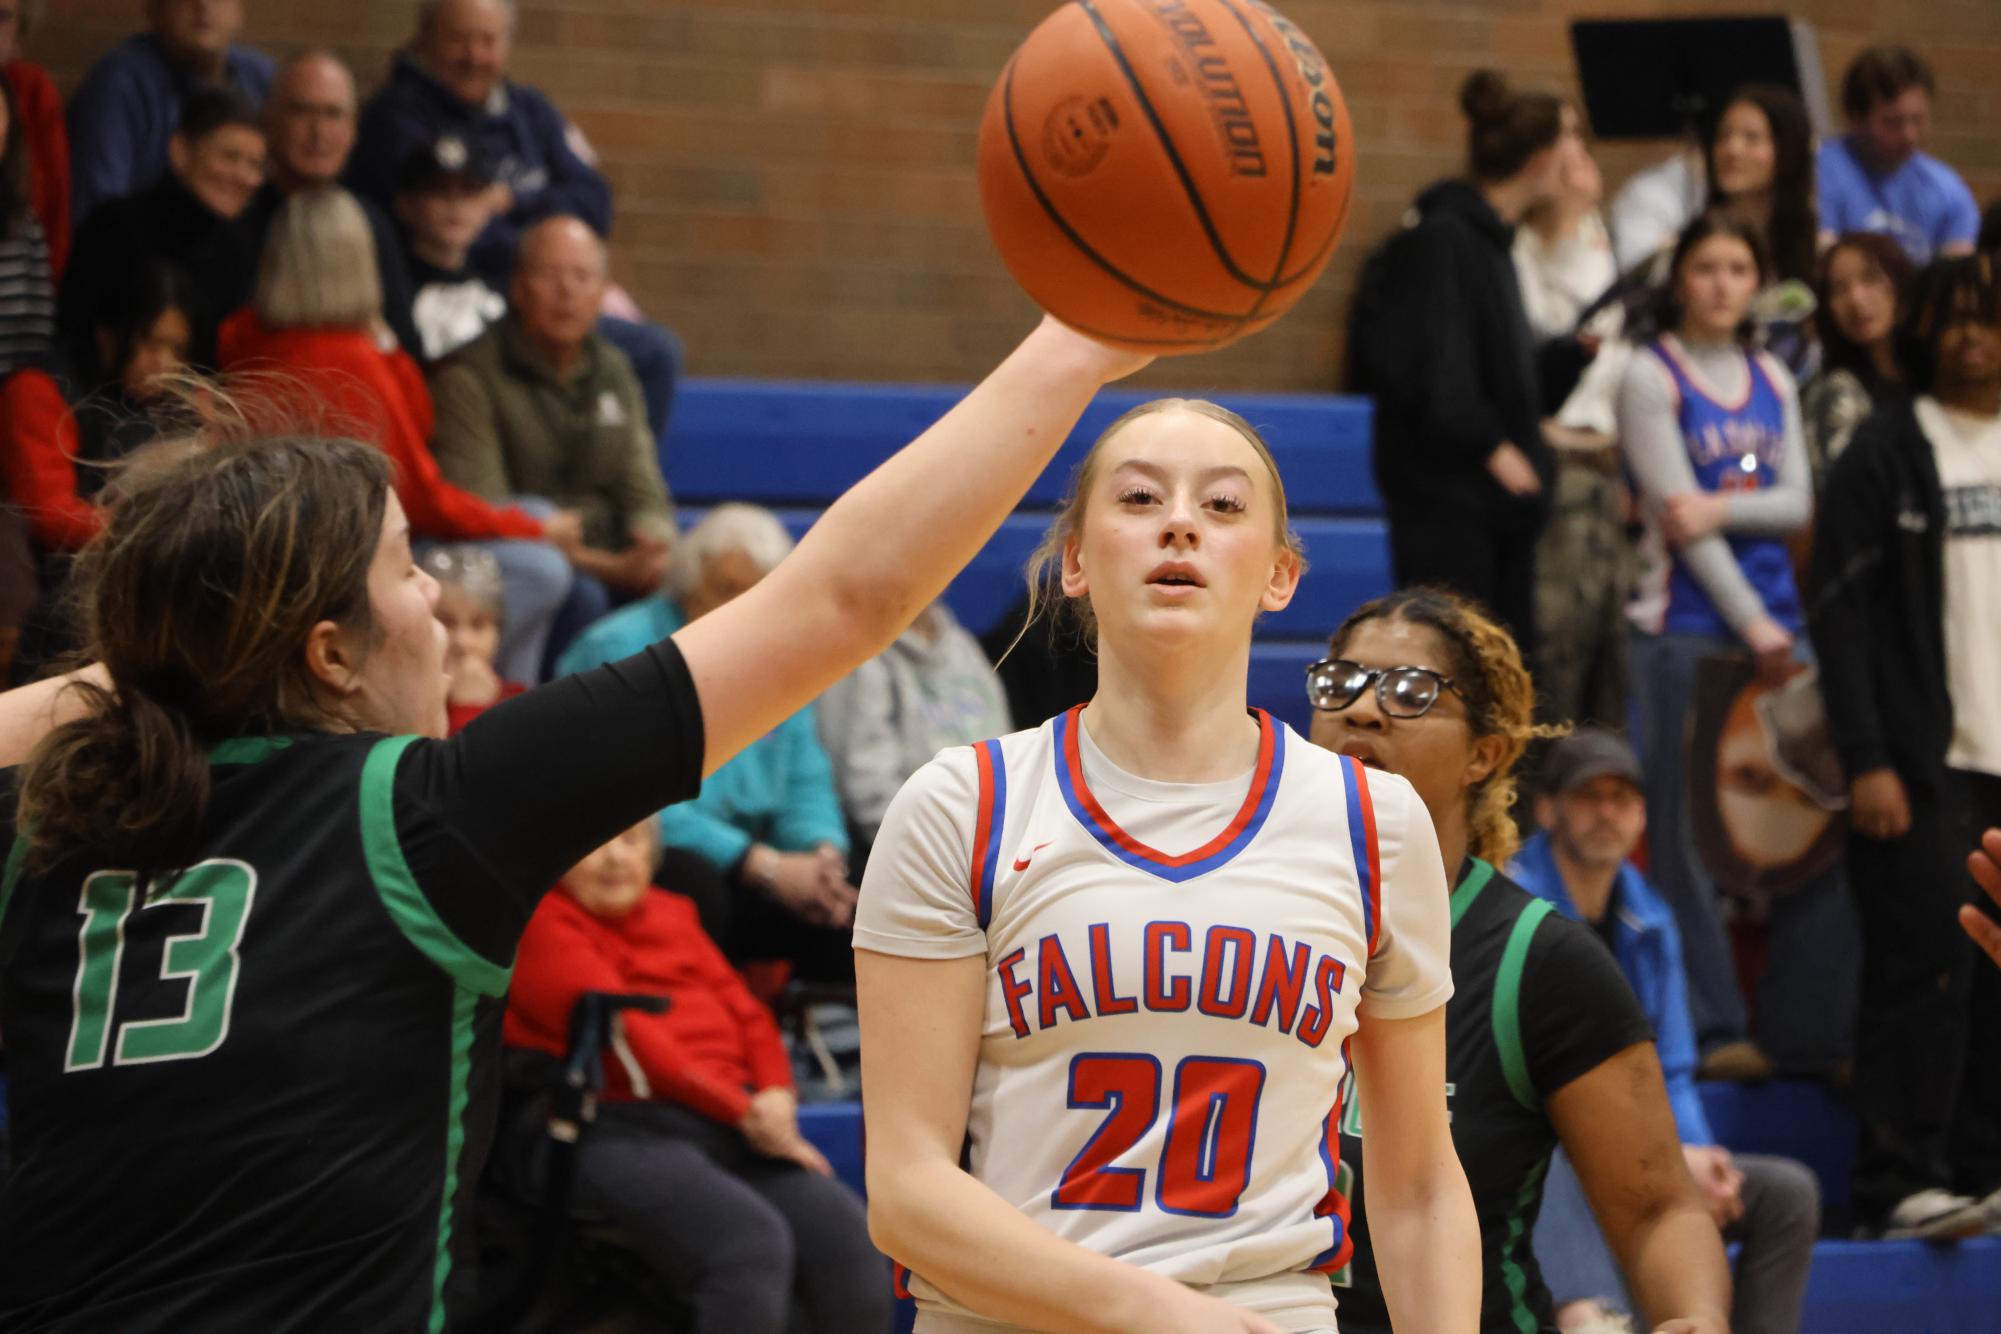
317, 319
1710, 431
1439, 337
61, 428
931, 689
192, 217
453, 81
1546, 1045
542, 405
1761, 169
39, 110
696, 1154
1592, 813
770, 863
124, 114
27, 291
1906, 585
1758, 160
1584, 559
472, 606
1877, 178
1857, 293
441, 201
309, 130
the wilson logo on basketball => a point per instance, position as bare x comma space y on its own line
1212, 74
1077, 135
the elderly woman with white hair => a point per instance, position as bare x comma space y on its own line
763, 849
316, 328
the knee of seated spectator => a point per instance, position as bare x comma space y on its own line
1791, 1196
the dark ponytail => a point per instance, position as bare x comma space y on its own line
1505, 128
215, 562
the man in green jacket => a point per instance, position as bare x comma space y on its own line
542, 407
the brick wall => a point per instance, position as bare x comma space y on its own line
794, 177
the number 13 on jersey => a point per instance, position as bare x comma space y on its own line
207, 959
1212, 1124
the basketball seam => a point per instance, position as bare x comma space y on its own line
1222, 252
1292, 140
1070, 233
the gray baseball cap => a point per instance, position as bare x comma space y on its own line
1588, 753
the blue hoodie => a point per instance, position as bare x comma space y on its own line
1648, 947
518, 130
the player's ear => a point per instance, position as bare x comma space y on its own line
1488, 752
333, 658
1284, 581
1074, 582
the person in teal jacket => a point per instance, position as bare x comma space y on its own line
763, 849
1592, 814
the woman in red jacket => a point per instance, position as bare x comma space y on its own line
316, 324
696, 1153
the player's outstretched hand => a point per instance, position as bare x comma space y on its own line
1986, 867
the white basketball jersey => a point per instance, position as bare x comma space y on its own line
1174, 971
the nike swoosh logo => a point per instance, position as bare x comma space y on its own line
1021, 863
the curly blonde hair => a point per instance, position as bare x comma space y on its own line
1486, 665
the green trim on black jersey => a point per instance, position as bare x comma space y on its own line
464, 1005
17, 858
1508, 1003
1513, 1275
247, 749
401, 895
1469, 888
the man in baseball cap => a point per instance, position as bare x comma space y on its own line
444, 198
1592, 814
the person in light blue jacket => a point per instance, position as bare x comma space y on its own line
1592, 814
763, 849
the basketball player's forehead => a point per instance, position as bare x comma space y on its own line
1184, 443
1387, 642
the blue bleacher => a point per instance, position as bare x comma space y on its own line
795, 445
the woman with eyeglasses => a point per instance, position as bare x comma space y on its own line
1545, 1043
1123, 959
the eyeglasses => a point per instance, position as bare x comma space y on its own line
1332, 684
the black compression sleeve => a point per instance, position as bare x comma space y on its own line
492, 818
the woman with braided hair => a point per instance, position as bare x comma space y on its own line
1545, 1043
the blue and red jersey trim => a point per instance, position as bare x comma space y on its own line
1362, 840
991, 816
1218, 851
1334, 1206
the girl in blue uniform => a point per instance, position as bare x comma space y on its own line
1710, 426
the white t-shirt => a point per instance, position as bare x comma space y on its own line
1967, 450
1174, 970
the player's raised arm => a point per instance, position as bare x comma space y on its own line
28, 713
884, 550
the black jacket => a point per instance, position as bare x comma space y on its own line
1876, 601
164, 222
1439, 338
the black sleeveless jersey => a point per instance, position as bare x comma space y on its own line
253, 1094
1537, 1001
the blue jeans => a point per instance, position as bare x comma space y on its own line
1807, 997
1775, 1238
655, 354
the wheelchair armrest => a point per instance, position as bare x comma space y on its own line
591, 1020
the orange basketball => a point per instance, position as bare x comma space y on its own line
1166, 175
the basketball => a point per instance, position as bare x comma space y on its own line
1166, 175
